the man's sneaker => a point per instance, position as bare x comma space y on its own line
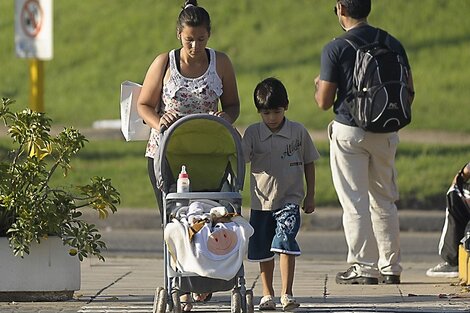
443, 269
351, 276
288, 303
389, 279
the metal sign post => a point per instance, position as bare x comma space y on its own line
36, 78
33, 40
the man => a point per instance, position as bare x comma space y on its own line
455, 226
362, 163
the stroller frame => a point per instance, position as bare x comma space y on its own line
177, 282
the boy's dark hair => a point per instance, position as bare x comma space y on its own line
357, 9
270, 94
193, 15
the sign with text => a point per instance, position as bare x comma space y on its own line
33, 29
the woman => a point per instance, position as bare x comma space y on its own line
191, 79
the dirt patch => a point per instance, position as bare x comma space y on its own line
406, 135
416, 136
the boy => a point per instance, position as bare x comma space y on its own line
281, 153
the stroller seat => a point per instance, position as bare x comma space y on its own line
207, 240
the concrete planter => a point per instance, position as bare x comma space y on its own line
48, 273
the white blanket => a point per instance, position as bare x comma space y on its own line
199, 255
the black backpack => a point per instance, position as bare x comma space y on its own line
381, 98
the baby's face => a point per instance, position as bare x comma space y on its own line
222, 241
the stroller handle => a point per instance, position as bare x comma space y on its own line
163, 128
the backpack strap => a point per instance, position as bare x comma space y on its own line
352, 40
381, 37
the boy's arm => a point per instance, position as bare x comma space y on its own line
309, 201
247, 146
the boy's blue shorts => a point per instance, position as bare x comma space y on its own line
275, 232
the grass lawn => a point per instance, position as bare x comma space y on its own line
99, 44
425, 172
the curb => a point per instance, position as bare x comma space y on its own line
324, 219
330, 219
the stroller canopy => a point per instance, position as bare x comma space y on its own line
208, 146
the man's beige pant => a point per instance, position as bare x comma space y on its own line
364, 176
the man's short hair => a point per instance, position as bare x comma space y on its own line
357, 9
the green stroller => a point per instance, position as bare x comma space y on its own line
210, 149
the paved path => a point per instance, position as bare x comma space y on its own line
128, 285
126, 282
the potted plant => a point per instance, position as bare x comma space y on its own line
33, 211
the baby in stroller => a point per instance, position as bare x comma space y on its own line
205, 239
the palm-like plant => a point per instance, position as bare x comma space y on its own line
31, 209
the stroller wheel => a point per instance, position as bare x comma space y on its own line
236, 301
159, 300
175, 297
250, 306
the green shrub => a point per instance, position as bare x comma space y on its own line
31, 208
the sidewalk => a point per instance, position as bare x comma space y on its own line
128, 285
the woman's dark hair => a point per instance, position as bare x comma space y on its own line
270, 94
357, 9
193, 15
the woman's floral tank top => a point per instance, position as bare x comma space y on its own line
188, 95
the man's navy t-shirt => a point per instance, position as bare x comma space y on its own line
337, 66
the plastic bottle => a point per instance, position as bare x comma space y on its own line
182, 185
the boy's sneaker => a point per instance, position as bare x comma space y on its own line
351, 276
443, 269
288, 303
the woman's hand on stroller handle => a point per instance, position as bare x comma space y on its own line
167, 119
222, 114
